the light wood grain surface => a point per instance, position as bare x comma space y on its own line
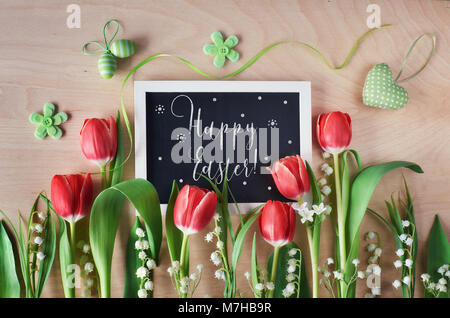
41, 61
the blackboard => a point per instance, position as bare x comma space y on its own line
194, 128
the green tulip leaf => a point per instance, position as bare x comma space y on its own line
345, 181
363, 187
116, 165
239, 243
65, 260
361, 192
255, 275
173, 235
65, 254
438, 253
104, 220
315, 190
225, 212
9, 286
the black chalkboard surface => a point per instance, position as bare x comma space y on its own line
188, 133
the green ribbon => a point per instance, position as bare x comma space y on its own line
238, 71
413, 45
107, 44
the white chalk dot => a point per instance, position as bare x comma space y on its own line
159, 158
242, 115
181, 180
285, 102
259, 97
244, 183
214, 99
289, 141
269, 188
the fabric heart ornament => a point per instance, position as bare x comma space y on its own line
380, 90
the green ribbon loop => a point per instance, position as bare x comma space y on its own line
107, 44
115, 33
238, 71
413, 45
102, 49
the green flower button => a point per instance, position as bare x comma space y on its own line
48, 123
222, 49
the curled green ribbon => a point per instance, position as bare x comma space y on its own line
232, 74
413, 45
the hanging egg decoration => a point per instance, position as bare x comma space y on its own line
107, 63
123, 48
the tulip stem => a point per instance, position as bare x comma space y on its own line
73, 248
182, 259
314, 261
104, 181
273, 276
341, 220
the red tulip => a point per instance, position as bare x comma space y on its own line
72, 196
334, 131
290, 176
99, 140
277, 223
194, 208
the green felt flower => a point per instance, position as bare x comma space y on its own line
222, 49
48, 122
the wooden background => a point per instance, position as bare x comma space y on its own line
41, 61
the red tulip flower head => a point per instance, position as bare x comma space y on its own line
291, 177
334, 132
194, 209
99, 140
71, 196
277, 223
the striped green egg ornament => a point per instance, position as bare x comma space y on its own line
107, 65
123, 48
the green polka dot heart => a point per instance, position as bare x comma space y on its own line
380, 90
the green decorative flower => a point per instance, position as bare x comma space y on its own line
48, 123
222, 49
